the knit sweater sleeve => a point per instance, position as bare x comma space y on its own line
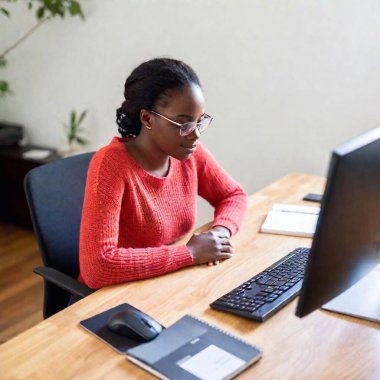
102, 261
221, 191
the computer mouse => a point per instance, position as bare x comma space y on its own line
134, 324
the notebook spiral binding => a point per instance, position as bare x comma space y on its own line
225, 332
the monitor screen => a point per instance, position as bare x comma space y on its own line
347, 239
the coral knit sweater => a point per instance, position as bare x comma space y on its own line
130, 217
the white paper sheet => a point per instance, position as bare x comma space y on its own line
212, 363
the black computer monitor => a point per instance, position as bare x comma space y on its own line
346, 243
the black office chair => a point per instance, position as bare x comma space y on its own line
55, 193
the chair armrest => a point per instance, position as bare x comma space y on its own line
64, 281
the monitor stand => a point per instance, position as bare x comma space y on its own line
361, 300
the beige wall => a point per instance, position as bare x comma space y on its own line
285, 80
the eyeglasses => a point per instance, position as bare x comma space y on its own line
186, 128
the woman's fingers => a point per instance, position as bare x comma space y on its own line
226, 242
226, 249
222, 256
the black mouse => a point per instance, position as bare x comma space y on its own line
134, 324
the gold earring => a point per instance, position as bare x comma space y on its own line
147, 126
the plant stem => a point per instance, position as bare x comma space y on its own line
22, 38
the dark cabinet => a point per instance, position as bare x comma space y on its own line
13, 167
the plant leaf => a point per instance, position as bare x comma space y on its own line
5, 11
72, 117
3, 61
40, 13
4, 88
81, 140
72, 130
75, 9
82, 116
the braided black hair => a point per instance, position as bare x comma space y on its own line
146, 86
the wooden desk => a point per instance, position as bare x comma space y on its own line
322, 345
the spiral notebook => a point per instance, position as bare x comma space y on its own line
192, 349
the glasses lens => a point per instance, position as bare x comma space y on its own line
187, 128
203, 124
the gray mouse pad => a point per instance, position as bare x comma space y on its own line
97, 325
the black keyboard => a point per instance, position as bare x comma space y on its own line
267, 292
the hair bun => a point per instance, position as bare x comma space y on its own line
122, 119
124, 122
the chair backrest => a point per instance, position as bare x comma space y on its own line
55, 193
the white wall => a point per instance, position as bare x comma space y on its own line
285, 80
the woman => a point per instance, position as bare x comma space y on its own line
141, 189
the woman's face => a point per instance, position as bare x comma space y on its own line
184, 105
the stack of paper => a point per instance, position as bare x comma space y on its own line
36, 154
292, 220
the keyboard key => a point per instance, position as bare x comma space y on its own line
264, 280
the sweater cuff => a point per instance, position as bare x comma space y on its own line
182, 256
228, 224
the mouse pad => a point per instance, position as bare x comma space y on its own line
97, 325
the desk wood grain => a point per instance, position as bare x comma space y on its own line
322, 345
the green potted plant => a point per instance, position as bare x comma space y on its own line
74, 133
